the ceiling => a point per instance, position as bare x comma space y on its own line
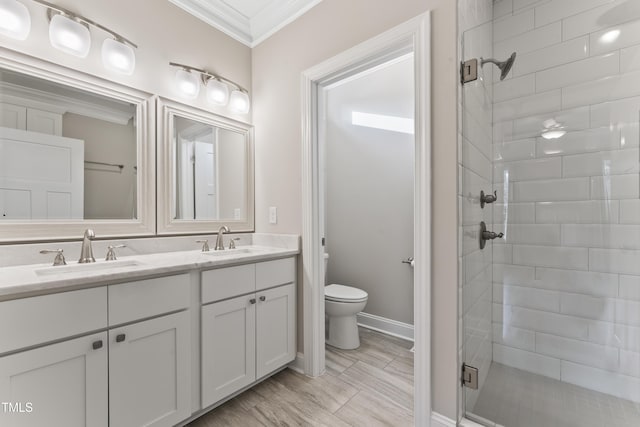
248, 21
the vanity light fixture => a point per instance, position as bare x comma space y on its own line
217, 87
15, 21
70, 33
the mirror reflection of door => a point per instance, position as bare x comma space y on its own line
205, 193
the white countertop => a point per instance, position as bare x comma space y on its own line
36, 279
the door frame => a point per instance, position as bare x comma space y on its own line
416, 35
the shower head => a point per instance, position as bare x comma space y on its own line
505, 66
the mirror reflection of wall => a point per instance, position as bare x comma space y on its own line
210, 175
66, 153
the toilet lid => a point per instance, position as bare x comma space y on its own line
344, 293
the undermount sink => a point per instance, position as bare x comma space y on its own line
229, 252
89, 267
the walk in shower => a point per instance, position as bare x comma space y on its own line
550, 312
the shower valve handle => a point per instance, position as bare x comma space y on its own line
490, 235
487, 198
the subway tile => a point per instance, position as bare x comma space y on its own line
513, 274
528, 361
545, 102
515, 150
472, 184
629, 36
612, 187
578, 282
503, 132
476, 134
513, 337
630, 59
585, 212
502, 8
629, 287
578, 142
472, 13
629, 135
531, 40
596, 308
616, 113
613, 236
601, 90
551, 190
520, 296
497, 313
615, 335
475, 160
475, 263
502, 254
526, 4
584, 352
630, 363
592, 20
516, 87
469, 239
477, 289
527, 170
572, 120
629, 211
551, 56
514, 213
549, 256
601, 380
615, 162
543, 321
622, 261
559, 9
585, 70
512, 26
533, 234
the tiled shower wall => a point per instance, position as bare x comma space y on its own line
566, 292
475, 171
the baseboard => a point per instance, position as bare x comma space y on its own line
386, 326
439, 420
298, 364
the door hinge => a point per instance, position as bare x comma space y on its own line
469, 71
470, 377
323, 241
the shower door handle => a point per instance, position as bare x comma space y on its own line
409, 261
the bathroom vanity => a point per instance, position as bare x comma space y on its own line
152, 339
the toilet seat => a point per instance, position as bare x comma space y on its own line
346, 294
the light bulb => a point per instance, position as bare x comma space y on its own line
118, 56
239, 102
217, 92
188, 83
15, 21
69, 36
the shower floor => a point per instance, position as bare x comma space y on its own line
515, 398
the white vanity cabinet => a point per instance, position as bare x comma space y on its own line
248, 325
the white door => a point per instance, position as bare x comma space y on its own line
149, 372
228, 347
44, 172
275, 328
205, 181
65, 384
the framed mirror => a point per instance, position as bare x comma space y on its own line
205, 171
76, 152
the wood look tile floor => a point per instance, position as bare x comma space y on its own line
369, 386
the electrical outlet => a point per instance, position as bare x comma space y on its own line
273, 215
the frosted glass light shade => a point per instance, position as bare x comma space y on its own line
217, 92
15, 21
69, 36
239, 102
188, 83
118, 57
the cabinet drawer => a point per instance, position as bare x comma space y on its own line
147, 298
228, 282
274, 273
37, 320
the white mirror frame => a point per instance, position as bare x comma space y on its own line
144, 225
167, 110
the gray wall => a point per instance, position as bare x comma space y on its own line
369, 191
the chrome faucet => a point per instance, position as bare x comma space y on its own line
86, 252
220, 240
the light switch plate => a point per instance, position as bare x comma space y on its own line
273, 215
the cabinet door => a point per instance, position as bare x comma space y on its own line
44, 122
228, 347
62, 384
275, 328
149, 372
13, 116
